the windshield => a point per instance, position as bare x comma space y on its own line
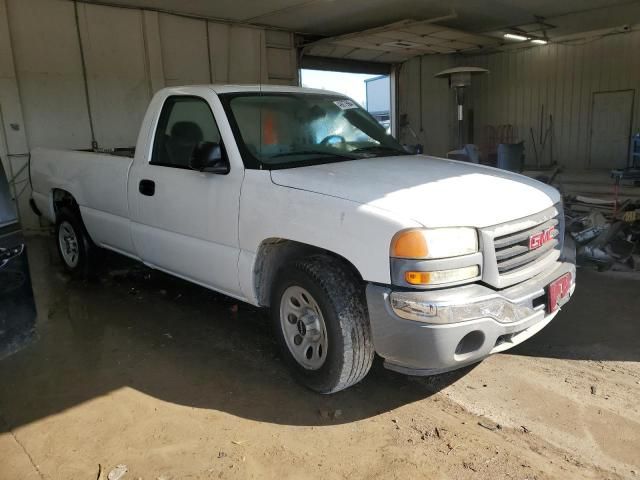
282, 130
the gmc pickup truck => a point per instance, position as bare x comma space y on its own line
297, 200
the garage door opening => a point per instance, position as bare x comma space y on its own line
373, 92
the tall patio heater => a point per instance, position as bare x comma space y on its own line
459, 79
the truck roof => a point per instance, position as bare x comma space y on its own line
220, 88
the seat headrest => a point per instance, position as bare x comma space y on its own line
189, 131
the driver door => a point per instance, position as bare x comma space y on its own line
185, 221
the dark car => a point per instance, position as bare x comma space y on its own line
17, 308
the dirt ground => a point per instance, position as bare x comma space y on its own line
177, 382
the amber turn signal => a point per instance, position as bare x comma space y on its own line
417, 278
438, 277
409, 244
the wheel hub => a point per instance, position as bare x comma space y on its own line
303, 327
309, 326
68, 243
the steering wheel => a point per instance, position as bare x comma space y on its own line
327, 140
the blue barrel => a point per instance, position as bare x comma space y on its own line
511, 156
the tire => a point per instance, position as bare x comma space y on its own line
332, 320
78, 253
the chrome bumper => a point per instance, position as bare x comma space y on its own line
430, 332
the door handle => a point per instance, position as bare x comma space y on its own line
147, 187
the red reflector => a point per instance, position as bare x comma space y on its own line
557, 291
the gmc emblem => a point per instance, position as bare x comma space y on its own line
538, 239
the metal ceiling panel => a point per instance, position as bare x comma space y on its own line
391, 58
366, 55
424, 28
448, 34
321, 50
478, 40
462, 46
357, 43
444, 49
345, 65
330, 17
399, 34
399, 41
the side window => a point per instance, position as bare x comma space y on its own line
185, 122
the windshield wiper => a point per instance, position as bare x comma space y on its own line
378, 148
314, 152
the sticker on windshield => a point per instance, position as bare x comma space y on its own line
345, 104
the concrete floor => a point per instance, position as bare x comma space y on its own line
177, 382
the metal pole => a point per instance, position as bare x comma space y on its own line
460, 101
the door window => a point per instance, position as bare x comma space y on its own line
184, 124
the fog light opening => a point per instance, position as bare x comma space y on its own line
470, 343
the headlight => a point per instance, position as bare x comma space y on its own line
426, 258
434, 243
408, 305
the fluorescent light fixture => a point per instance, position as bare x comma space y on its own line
539, 41
513, 36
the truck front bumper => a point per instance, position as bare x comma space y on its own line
463, 324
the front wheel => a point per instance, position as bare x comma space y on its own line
321, 321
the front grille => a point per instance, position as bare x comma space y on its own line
507, 257
512, 251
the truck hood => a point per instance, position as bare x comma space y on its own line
434, 192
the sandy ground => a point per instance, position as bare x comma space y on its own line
178, 382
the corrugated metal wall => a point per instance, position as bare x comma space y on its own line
129, 54
561, 79
426, 105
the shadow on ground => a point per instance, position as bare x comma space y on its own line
177, 342
601, 322
140, 329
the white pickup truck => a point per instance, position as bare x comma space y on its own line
298, 200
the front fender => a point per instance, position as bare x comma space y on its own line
359, 233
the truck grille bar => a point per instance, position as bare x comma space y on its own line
512, 251
508, 258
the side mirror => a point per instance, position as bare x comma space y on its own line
208, 157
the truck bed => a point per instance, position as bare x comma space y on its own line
117, 152
97, 181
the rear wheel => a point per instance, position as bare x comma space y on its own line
320, 318
77, 251
68, 245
